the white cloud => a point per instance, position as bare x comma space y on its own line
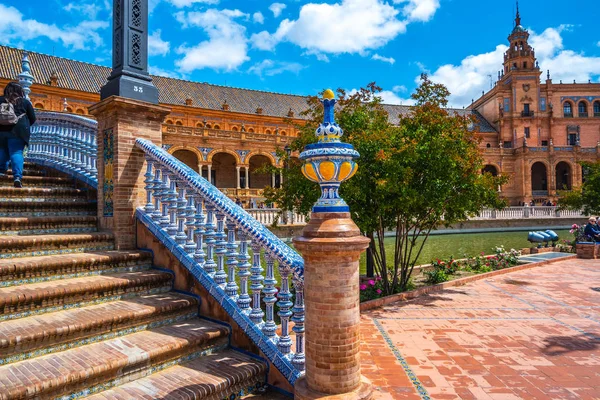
399, 89
13, 27
277, 8
188, 3
271, 68
153, 70
419, 10
88, 10
258, 17
467, 80
351, 26
157, 46
598, 44
389, 60
226, 47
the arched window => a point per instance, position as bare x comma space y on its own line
199, 125
208, 126
568, 109
217, 127
235, 129
169, 122
268, 131
597, 109
582, 109
69, 109
39, 106
80, 111
179, 123
488, 145
282, 133
251, 130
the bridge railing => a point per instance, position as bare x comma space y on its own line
216, 239
527, 212
65, 142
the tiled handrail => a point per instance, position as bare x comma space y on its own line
199, 224
65, 142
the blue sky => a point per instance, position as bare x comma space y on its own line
301, 46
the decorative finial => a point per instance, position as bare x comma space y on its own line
518, 18
329, 162
548, 75
25, 77
65, 104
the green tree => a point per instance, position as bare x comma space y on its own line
414, 176
587, 196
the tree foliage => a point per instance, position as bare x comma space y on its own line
413, 176
587, 196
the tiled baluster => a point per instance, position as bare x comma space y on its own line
298, 319
232, 263
285, 341
78, 160
93, 154
172, 228
269, 328
256, 279
86, 154
164, 200
210, 265
243, 300
181, 237
190, 224
157, 185
199, 255
149, 208
220, 249
70, 150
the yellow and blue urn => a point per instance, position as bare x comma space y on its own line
329, 161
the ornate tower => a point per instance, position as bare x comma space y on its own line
129, 77
520, 55
25, 77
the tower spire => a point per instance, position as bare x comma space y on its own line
518, 17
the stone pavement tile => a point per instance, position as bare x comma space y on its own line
530, 334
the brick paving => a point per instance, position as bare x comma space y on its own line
532, 334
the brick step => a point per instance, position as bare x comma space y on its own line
39, 181
37, 298
215, 376
83, 370
40, 194
38, 245
47, 225
29, 208
33, 336
24, 270
29, 171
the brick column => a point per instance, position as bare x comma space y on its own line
331, 245
120, 164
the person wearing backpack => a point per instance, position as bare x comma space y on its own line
16, 117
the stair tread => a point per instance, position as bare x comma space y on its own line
41, 191
49, 219
41, 290
68, 370
28, 267
12, 241
62, 326
197, 379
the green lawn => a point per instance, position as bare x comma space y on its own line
469, 244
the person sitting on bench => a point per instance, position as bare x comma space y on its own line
591, 230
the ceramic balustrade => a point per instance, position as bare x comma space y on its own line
65, 142
216, 239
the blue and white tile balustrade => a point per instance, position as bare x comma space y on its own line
67, 143
221, 245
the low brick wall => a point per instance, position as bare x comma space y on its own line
588, 250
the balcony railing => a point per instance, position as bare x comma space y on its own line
583, 114
527, 114
539, 193
596, 114
224, 134
568, 115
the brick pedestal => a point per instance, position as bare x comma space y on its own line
331, 245
120, 164
588, 251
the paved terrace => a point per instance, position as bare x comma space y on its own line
532, 334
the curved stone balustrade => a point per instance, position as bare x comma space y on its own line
527, 212
65, 142
212, 237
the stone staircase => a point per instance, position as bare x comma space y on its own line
78, 318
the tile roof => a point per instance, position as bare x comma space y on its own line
86, 77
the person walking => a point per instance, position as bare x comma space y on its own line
16, 117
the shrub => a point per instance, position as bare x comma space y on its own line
373, 289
